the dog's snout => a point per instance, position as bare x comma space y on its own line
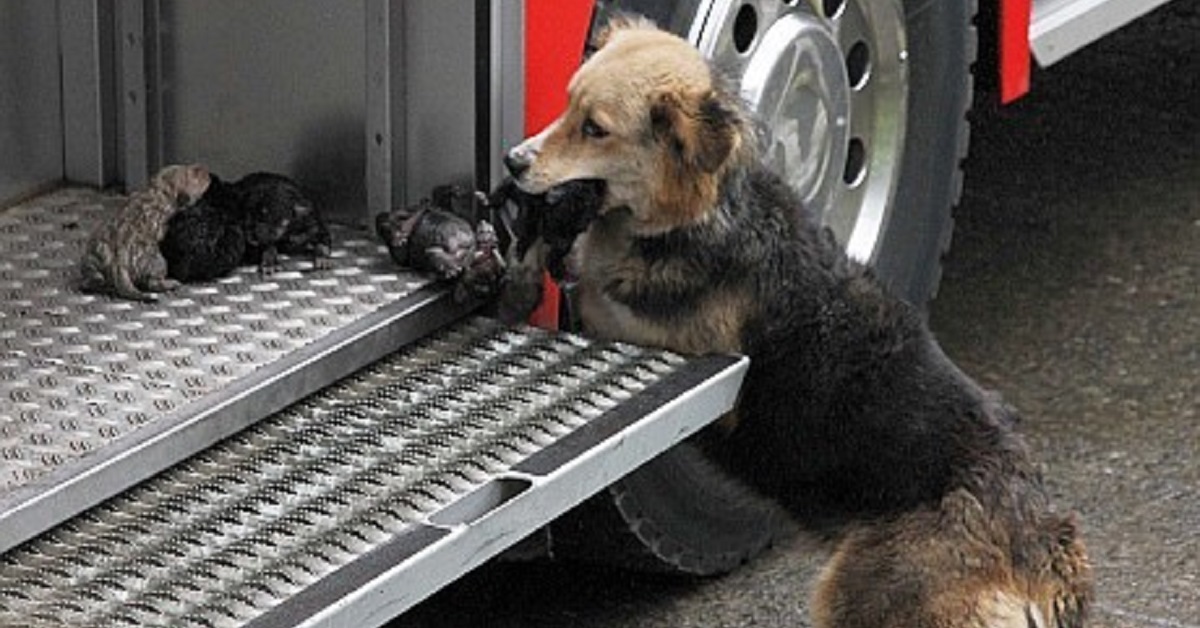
518, 160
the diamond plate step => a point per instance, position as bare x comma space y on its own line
97, 393
359, 501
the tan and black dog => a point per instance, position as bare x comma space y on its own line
851, 415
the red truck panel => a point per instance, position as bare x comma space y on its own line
555, 34
1014, 49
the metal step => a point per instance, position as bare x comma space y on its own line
1058, 28
356, 503
97, 393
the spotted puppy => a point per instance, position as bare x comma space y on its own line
122, 256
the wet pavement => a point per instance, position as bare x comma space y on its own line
1073, 287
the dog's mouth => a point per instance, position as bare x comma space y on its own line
557, 216
581, 193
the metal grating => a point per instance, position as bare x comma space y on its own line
230, 534
85, 379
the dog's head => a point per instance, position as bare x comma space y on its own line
647, 116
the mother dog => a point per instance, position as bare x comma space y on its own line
851, 415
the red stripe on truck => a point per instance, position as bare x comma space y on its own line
555, 35
1014, 49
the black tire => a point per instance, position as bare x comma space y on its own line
942, 48
679, 513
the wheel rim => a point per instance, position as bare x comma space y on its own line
828, 79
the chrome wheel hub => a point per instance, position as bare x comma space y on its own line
828, 81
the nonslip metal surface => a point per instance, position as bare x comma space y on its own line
98, 393
310, 516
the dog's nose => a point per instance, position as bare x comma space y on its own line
518, 160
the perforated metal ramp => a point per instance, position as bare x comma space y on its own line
356, 503
97, 393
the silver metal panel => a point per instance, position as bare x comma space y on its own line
1060, 27
349, 507
97, 393
131, 93
273, 85
439, 103
379, 133
31, 147
89, 111
507, 68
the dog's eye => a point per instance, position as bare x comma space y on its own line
593, 130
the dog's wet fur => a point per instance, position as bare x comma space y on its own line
851, 415
122, 256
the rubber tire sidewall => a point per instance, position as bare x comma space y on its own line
679, 513
941, 47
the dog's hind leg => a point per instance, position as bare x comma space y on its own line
944, 567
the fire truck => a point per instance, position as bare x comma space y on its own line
328, 447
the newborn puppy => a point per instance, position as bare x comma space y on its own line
543, 232
122, 256
555, 218
485, 273
427, 238
280, 219
207, 240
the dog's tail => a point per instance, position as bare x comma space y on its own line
956, 566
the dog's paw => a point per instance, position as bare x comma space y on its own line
517, 301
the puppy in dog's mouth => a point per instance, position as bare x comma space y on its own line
554, 218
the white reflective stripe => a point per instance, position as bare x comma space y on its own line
1060, 27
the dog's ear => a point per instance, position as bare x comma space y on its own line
700, 131
622, 21
697, 135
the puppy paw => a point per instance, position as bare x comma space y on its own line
164, 284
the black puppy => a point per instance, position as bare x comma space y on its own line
427, 238
281, 219
554, 219
541, 236
207, 240
433, 236
249, 221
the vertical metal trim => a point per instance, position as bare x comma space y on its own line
379, 107
508, 81
131, 93
83, 95
155, 84
485, 110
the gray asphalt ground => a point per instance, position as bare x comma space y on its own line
1073, 286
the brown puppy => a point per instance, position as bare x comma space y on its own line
851, 416
122, 256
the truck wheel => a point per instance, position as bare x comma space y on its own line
864, 108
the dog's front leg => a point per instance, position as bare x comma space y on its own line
522, 290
